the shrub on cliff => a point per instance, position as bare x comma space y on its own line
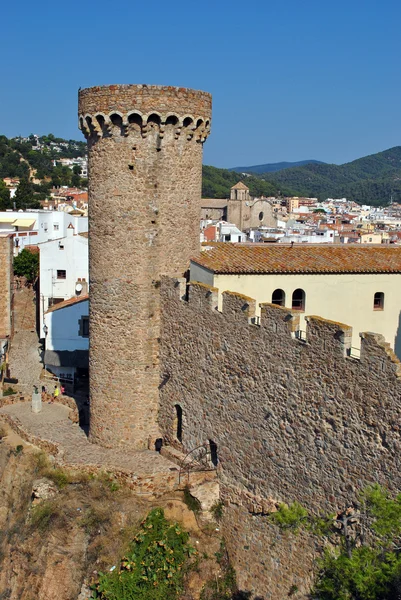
154, 567
367, 562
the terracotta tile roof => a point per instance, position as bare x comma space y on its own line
240, 186
305, 258
213, 203
68, 302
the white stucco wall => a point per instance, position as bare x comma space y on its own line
48, 225
344, 298
63, 328
69, 254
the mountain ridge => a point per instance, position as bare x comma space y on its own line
371, 179
273, 167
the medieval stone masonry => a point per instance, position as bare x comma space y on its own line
145, 164
285, 419
292, 420
6, 287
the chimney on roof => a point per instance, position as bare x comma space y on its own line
70, 230
81, 287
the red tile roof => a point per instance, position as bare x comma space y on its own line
306, 258
68, 302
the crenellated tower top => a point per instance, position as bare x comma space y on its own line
121, 108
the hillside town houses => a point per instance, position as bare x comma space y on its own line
297, 220
242, 240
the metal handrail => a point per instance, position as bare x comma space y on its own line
197, 463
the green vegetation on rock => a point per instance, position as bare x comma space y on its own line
291, 516
153, 568
365, 561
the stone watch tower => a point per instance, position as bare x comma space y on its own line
145, 172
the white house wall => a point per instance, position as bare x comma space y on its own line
63, 328
73, 259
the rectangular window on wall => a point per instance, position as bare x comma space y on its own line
53, 301
61, 274
84, 327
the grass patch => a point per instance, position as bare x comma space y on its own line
225, 586
217, 510
43, 514
191, 502
9, 392
94, 518
61, 477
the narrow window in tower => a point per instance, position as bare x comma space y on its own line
178, 422
213, 453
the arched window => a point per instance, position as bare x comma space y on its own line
278, 297
135, 119
298, 300
178, 422
116, 119
378, 301
154, 119
261, 215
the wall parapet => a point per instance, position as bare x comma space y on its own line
123, 108
321, 334
287, 419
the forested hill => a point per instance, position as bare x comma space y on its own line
36, 162
216, 183
369, 180
272, 167
35, 156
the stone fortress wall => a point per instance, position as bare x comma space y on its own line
291, 420
6, 285
145, 161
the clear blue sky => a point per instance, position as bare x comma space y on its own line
291, 80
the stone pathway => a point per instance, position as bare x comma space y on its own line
25, 359
150, 471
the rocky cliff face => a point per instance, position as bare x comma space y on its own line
59, 527
44, 551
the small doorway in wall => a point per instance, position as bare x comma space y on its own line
178, 422
213, 453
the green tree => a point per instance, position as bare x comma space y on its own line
25, 195
366, 564
5, 199
26, 264
75, 180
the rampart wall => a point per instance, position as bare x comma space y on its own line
6, 288
292, 420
